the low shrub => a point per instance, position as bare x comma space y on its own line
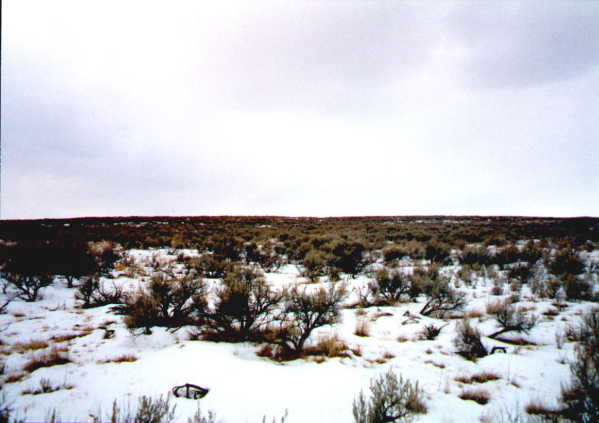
581, 396
442, 298
168, 302
391, 285
576, 288
566, 261
468, 341
243, 306
392, 399
393, 252
514, 319
94, 294
27, 287
304, 311
430, 332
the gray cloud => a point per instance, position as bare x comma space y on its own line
309, 108
509, 44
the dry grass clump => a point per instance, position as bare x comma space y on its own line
362, 328
68, 337
516, 340
17, 377
46, 387
551, 312
536, 408
360, 312
54, 357
439, 365
32, 345
480, 396
266, 351
495, 307
125, 358
329, 346
388, 355
357, 350
478, 378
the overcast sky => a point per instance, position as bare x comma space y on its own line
299, 108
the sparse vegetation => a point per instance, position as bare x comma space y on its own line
412, 266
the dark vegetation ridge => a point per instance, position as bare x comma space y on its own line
142, 232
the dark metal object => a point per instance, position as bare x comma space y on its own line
190, 391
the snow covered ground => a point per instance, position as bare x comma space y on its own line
245, 387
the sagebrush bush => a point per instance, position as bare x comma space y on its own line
581, 396
391, 285
169, 302
94, 294
522, 272
392, 399
576, 288
566, 261
393, 252
468, 341
304, 311
316, 263
441, 298
174, 295
437, 252
430, 332
475, 255
26, 286
513, 319
348, 256
210, 265
243, 305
